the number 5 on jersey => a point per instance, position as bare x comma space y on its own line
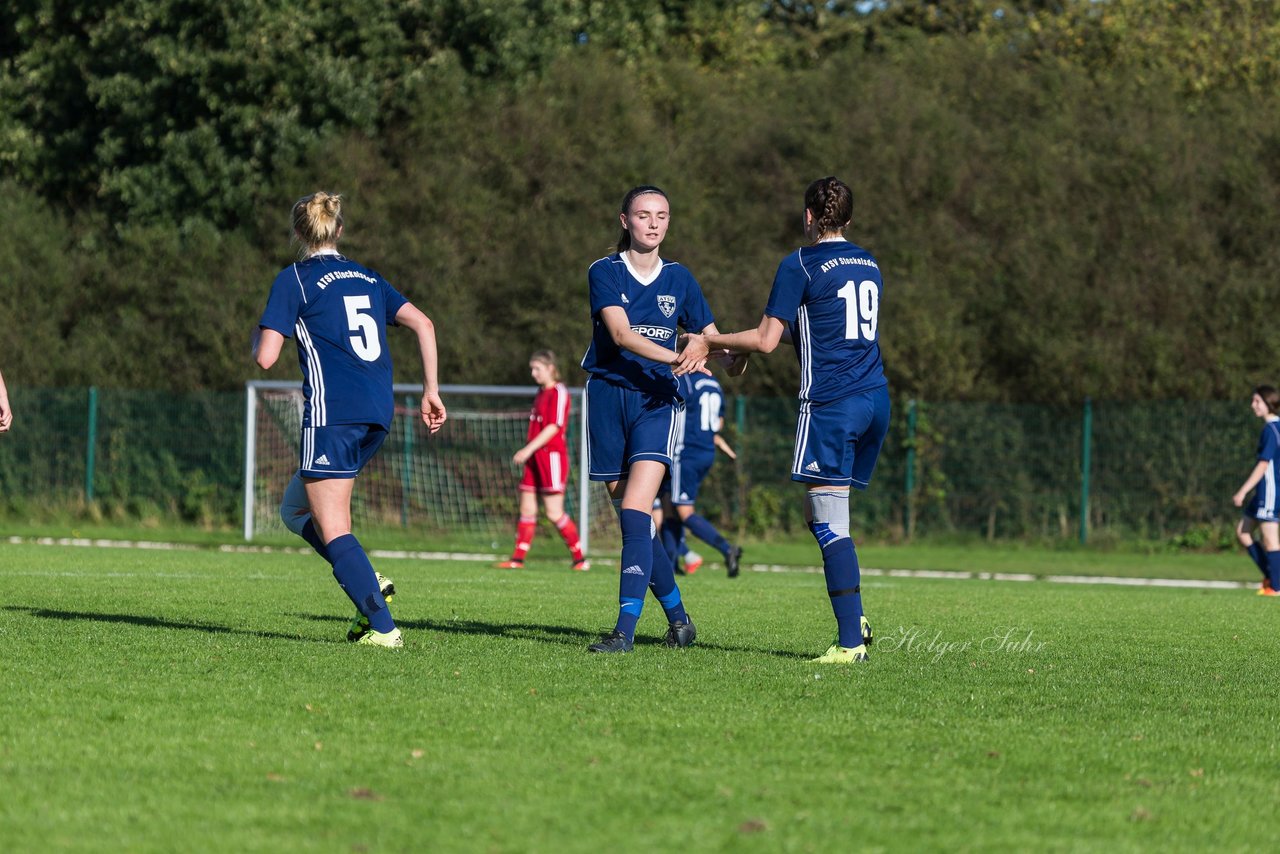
861, 309
366, 343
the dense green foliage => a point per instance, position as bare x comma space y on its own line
163, 699
1068, 198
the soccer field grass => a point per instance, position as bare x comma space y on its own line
207, 701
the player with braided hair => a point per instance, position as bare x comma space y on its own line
826, 298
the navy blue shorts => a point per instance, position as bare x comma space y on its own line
339, 451
687, 475
625, 426
838, 443
1262, 506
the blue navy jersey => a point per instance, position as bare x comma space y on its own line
654, 308
1269, 441
703, 402
339, 312
829, 297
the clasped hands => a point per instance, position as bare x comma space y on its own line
693, 353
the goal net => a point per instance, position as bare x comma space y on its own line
458, 486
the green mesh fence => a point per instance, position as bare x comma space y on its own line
1005, 471
1156, 470
134, 452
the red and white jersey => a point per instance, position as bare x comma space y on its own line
550, 406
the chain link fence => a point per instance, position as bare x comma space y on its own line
1097, 471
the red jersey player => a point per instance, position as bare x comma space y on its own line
546, 464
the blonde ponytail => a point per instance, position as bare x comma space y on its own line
317, 219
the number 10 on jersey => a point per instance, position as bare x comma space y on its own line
861, 309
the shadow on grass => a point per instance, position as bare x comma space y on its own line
151, 622
560, 635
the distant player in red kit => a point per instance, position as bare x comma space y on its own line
546, 464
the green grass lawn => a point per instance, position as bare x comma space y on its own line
160, 701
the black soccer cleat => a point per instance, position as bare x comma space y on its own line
615, 641
680, 635
732, 559
867, 637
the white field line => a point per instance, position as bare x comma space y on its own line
394, 554
961, 575
84, 542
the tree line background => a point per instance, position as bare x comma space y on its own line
1066, 198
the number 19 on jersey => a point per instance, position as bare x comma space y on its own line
861, 309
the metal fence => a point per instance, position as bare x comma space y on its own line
1004, 471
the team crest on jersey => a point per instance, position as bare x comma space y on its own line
667, 303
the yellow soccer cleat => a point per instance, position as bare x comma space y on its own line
838, 654
865, 626
360, 623
391, 639
386, 586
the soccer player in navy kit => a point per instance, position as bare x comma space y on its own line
698, 436
1261, 512
637, 300
827, 296
545, 459
339, 312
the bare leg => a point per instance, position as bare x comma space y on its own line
331, 511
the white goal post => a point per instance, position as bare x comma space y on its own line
460, 481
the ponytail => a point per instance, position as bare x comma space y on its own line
317, 219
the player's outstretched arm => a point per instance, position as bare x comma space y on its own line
763, 339
433, 410
725, 447
617, 323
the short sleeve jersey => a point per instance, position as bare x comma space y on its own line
339, 312
829, 296
703, 402
550, 406
670, 298
1269, 442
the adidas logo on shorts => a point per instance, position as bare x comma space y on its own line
633, 570
323, 461
813, 467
